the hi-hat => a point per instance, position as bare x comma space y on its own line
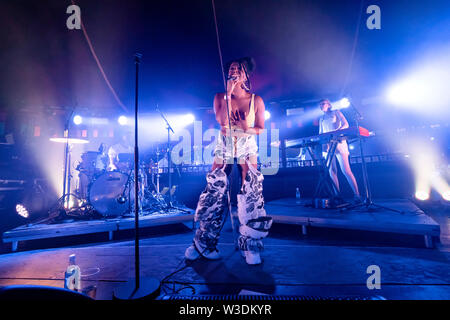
69, 140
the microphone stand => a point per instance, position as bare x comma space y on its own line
368, 203
169, 160
148, 288
169, 157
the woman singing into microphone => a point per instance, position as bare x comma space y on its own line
240, 115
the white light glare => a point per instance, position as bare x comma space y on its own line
446, 195
189, 118
341, 104
344, 103
424, 88
77, 120
266, 115
422, 195
122, 120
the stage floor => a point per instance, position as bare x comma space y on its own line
327, 262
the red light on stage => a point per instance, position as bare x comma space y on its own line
37, 131
95, 133
364, 132
84, 133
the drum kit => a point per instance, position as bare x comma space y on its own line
110, 193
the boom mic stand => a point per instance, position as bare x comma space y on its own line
148, 287
169, 160
367, 203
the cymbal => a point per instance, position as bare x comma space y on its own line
69, 140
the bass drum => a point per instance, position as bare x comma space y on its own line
110, 195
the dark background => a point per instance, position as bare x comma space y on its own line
302, 49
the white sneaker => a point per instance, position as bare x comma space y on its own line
211, 255
252, 257
191, 253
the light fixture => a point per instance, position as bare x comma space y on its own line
22, 211
122, 120
77, 119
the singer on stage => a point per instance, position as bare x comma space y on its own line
240, 115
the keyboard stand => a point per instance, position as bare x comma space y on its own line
326, 188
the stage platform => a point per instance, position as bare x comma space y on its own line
409, 220
110, 225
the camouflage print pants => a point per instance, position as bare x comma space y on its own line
254, 223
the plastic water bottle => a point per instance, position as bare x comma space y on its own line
72, 277
297, 195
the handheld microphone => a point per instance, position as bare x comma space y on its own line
232, 77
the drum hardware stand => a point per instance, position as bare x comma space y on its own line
67, 150
367, 203
62, 204
158, 196
157, 169
135, 288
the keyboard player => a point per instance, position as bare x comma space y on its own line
333, 120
